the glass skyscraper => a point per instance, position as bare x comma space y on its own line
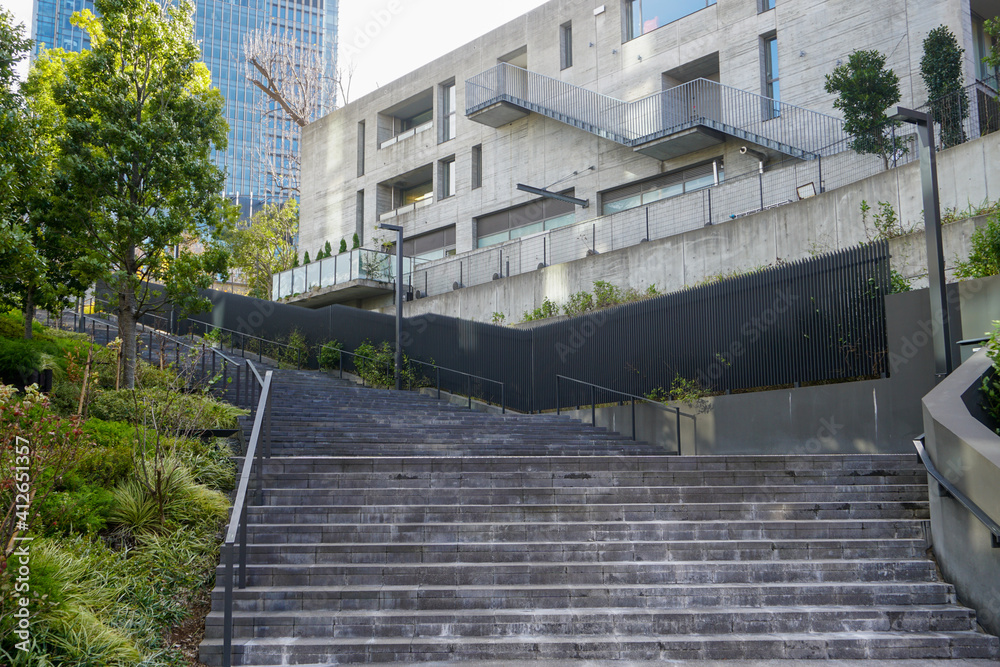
220, 27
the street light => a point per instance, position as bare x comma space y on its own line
943, 364
399, 299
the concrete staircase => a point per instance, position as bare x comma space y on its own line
400, 529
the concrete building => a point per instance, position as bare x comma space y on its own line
661, 115
220, 27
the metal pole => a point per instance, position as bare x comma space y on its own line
243, 544
470, 390
633, 418
503, 399
437, 370
593, 407
558, 409
227, 621
267, 415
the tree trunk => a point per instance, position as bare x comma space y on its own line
29, 312
126, 331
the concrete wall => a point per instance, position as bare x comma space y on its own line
969, 174
813, 36
968, 454
864, 417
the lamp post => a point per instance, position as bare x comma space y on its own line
943, 364
399, 299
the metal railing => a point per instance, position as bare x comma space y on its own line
357, 264
236, 533
595, 388
390, 375
783, 127
966, 114
949, 490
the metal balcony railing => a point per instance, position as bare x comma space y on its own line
782, 127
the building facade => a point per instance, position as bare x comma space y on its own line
624, 104
220, 27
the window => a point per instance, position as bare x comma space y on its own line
642, 16
359, 216
446, 178
766, 5
431, 246
405, 119
772, 88
536, 216
662, 187
477, 166
448, 115
982, 43
361, 149
566, 45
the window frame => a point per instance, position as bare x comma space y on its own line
771, 75
566, 45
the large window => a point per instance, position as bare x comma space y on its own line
662, 187
772, 87
430, 246
477, 166
405, 119
642, 16
531, 218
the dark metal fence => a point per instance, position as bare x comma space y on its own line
814, 320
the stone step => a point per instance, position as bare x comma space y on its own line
634, 596
586, 531
680, 573
584, 552
584, 622
296, 506
725, 646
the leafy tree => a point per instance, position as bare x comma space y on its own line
141, 122
43, 265
343, 245
984, 259
941, 69
993, 57
265, 246
305, 259
328, 250
865, 89
357, 242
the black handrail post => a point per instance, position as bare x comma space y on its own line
438, 373
503, 398
593, 406
558, 404
678, 430
470, 390
633, 419
267, 415
243, 545
227, 621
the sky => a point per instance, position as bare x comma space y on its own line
388, 38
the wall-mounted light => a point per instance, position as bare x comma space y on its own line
640, 58
614, 52
591, 45
802, 54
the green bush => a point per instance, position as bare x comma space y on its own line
606, 294
329, 354
171, 411
984, 259
547, 310
989, 390
377, 367
83, 509
578, 304
18, 359
297, 350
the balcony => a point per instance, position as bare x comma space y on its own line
350, 276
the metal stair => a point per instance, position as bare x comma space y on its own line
502, 93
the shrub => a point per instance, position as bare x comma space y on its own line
376, 366
18, 359
989, 390
547, 310
606, 294
578, 304
343, 245
329, 354
984, 259
83, 509
297, 350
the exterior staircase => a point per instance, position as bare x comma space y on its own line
395, 528
673, 122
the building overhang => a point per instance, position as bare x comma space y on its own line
682, 143
498, 114
354, 290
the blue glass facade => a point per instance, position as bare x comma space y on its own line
220, 27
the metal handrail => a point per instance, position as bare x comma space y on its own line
950, 490
237, 530
594, 388
470, 376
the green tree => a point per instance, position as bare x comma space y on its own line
993, 57
865, 89
357, 242
941, 70
328, 250
265, 246
984, 258
343, 245
305, 258
141, 122
43, 265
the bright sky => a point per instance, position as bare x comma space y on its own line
388, 38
